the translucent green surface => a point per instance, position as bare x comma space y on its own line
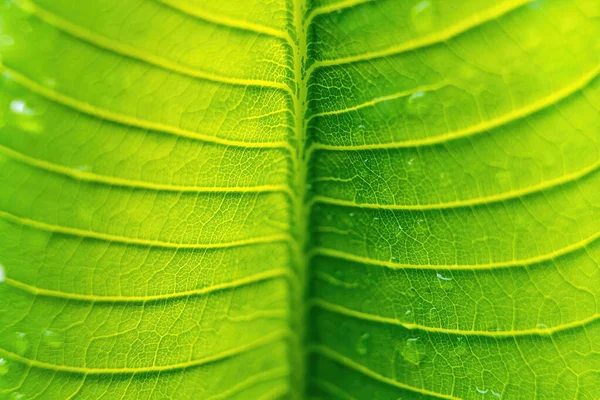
262, 199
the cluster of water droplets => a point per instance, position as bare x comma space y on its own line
488, 391
20, 346
20, 112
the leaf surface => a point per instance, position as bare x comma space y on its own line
243, 199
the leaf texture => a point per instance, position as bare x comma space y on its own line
250, 199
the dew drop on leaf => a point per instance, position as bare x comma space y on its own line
360, 198
52, 339
445, 180
21, 344
82, 168
408, 316
504, 180
422, 16
6, 41
413, 351
3, 367
482, 391
16, 396
536, 4
2, 273
49, 82
24, 116
415, 96
361, 345
443, 278
20, 107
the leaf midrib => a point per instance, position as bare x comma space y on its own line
300, 222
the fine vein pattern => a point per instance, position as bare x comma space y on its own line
250, 199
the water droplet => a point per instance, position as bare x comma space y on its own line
394, 258
413, 351
422, 16
361, 345
496, 394
49, 82
361, 127
442, 277
360, 198
537, 4
413, 97
351, 214
23, 116
19, 107
82, 168
482, 391
366, 160
17, 396
21, 344
541, 326
6, 41
421, 227
25, 26
376, 219
52, 339
504, 180
2, 274
445, 180
408, 317
3, 367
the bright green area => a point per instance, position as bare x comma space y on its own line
262, 199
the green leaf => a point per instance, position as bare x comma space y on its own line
251, 199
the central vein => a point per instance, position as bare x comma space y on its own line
301, 210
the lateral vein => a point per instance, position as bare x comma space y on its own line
144, 56
86, 176
546, 185
347, 362
129, 120
459, 267
225, 20
257, 278
548, 331
437, 37
265, 340
484, 126
138, 241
